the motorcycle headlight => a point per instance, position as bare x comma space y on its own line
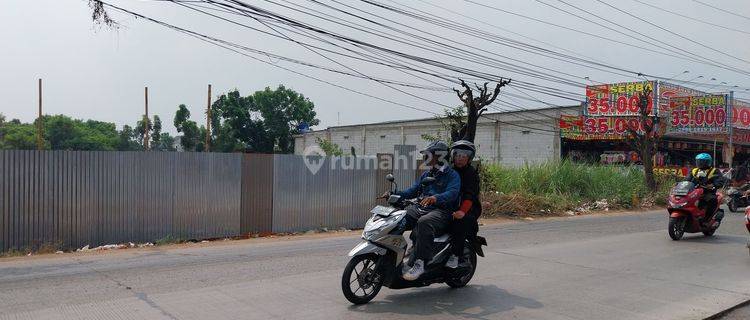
375, 225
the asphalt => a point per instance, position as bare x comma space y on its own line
592, 267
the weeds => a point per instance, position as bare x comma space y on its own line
169, 239
561, 186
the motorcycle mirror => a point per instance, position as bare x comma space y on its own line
390, 177
428, 181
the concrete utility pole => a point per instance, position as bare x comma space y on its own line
39, 127
146, 124
208, 121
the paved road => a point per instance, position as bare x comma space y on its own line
603, 267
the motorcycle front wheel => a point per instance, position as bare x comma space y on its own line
677, 227
361, 281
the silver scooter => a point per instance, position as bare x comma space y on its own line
379, 259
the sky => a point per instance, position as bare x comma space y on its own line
93, 72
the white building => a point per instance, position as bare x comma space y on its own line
509, 138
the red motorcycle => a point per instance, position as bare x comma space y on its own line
684, 214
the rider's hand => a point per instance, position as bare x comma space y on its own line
459, 215
426, 202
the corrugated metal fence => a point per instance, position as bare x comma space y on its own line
77, 198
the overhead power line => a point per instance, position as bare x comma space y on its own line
692, 18
722, 10
672, 32
227, 45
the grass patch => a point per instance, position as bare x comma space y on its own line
44, 248
556, 187
169, 239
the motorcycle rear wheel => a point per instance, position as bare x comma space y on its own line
462, 281
677, 227
732, 205
362, 273
711, 232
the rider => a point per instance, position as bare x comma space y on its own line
709, 177
465, 218
439, 202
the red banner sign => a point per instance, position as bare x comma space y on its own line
598, 128
698, 114
741, 114
619, 99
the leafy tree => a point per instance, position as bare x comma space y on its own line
166, 143
262, 122
283, 110
17, 135
330, 148
192, 135
156, 131
141, 127
126, 140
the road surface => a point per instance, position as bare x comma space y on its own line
593, 267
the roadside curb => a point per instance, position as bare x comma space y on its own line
725, 312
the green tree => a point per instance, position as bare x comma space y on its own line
262, 122
126, 140
283, 110
166, 143
156, 131
17, 135
330, 148
192, 136
63, 133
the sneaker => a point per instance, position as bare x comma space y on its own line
452, 262
415, 271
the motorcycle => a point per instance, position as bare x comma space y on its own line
684, 214
747, 224
379, 259
738, 197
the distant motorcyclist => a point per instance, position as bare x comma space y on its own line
465, 218
439, 202
708, 177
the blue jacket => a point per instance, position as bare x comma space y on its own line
446, 188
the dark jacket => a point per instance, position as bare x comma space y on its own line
470, 188
446, 188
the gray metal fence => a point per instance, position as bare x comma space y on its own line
339, 194
73, 198
77, 198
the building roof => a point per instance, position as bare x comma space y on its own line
433, 118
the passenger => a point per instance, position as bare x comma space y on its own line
464, 222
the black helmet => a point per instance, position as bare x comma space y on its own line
465, 147
438, 149
436, 146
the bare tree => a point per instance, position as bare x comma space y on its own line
100, 16
475, 106
645, 141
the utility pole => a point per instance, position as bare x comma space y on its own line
208, 120
146, 123
730, 103
39, 127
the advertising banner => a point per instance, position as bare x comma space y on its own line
597, 128
706, 114
618, 99
741, 114
668, 90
